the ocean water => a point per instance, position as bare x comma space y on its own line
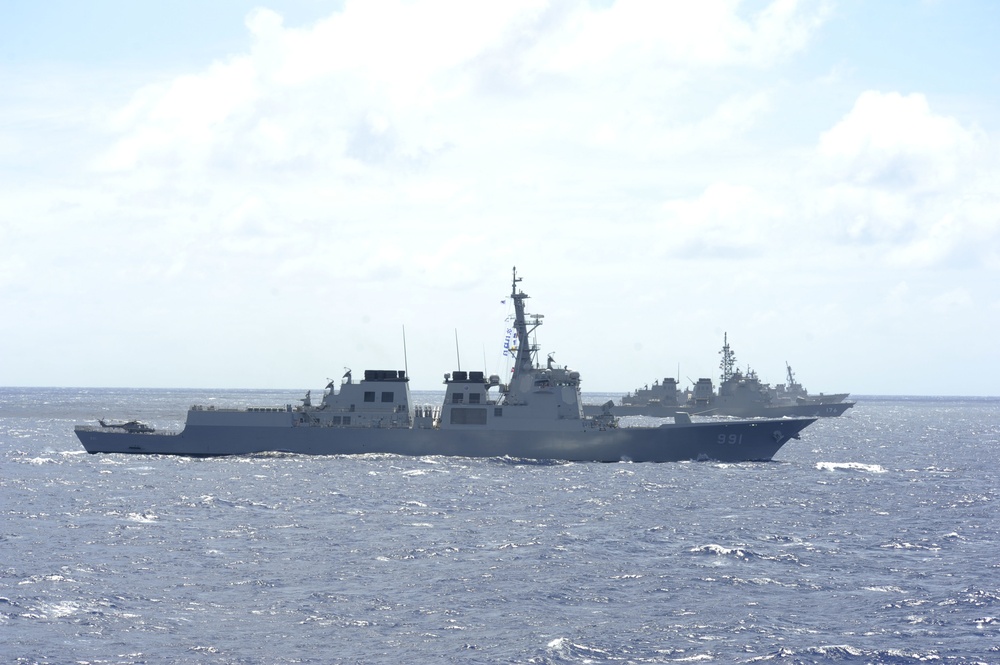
873, 539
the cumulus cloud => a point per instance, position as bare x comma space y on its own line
435, 115
177, 124
900, 175
386, 160
894, 142
686, 34
360, 88
725, 221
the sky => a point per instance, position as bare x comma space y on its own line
245, 195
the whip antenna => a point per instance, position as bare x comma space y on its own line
406, 364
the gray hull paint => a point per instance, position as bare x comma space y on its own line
818, 410
787, 411
726, 442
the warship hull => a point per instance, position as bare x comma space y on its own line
725, 442
824, 399
817, 410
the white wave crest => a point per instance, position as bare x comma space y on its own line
850, 466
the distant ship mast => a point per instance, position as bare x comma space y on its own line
728, 359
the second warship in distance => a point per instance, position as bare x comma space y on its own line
538, 414
793, 392
740, 394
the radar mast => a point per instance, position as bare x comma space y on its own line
526, 350
728, 359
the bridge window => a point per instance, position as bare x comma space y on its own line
369, 395
387, 397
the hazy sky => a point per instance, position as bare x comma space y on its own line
229, 194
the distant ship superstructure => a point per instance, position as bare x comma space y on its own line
740, 394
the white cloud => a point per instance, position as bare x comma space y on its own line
179, 123
314, 93
895, 142
949, 302
447, 114
726, 220
710, 33
901, 176
389, 163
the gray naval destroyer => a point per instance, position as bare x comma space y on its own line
792, 392
537, 415
740, 394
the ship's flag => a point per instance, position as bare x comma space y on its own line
510, 342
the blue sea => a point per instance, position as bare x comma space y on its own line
873, 539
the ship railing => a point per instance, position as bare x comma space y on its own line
109, 430
251, 409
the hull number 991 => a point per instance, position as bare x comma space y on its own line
730, 439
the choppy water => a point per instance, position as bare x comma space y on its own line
874, 539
